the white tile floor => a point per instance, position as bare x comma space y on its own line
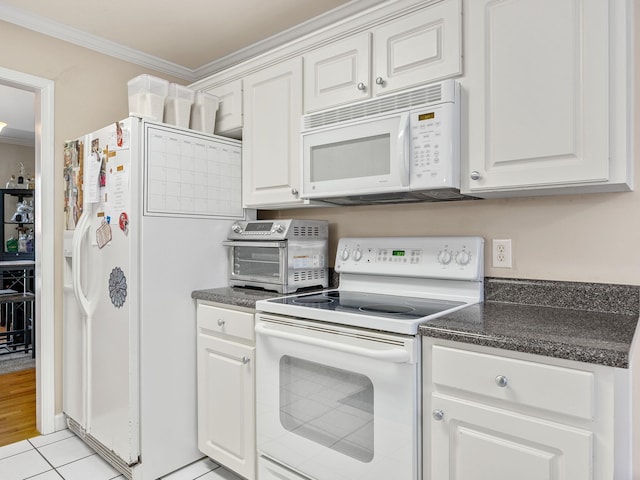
63, 456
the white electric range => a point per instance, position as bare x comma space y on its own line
338, 383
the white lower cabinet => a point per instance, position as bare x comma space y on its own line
226, 388
501, 415
473, 441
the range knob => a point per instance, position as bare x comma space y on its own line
277, 228
444, 257
463, 258
236, 228
357, 255
345, 254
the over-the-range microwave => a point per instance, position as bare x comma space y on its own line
396, 148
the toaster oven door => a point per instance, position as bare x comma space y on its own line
256, 263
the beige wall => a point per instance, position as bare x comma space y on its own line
10, 158
90, 92
587, 238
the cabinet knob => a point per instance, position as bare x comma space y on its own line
475, 175
379, 81
438, 415
245, 360
501, 381
294, 191
362, 86
220, 322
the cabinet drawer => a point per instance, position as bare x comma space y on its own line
548, 387
226, 322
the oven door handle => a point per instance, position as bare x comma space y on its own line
392, 355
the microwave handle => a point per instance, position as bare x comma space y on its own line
404, 148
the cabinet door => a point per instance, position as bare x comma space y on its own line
229, 114
420, 48
226, 399
472, 441
271, 137
537, 89
337, 73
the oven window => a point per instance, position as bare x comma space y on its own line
256, 261
327, 405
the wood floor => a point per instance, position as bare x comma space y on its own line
17, 406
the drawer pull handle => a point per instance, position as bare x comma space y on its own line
245, 360
361, 86
221, 322
501, 381
438, 415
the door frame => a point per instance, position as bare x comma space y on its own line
45, 255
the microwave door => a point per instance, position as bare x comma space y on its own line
360, 158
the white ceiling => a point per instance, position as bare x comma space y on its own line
190, 39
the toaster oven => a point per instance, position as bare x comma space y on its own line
279, 255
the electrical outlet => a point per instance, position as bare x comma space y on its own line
501, 253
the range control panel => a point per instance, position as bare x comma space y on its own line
460, 258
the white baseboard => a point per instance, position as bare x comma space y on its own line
60, 422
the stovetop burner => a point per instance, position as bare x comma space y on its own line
387, 309
311, 300
360, 303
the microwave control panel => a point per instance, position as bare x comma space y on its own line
435, 146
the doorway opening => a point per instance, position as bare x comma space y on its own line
44, 229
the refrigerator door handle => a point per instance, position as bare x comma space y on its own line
82, 229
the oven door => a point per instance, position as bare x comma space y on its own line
336, 403
257, 263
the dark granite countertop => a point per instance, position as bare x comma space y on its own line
234, 296
584, 336
592, 323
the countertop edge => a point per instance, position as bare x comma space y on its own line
593, 355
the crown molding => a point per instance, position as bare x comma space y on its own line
18, 141
310, 26
57, 30
75, 36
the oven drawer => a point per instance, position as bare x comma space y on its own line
225, 321
556, 389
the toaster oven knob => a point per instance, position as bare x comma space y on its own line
345, 254
278, 228
357, 255
236, 228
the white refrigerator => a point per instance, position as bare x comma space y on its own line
147, 207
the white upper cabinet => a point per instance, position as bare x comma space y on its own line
271, 137
229, 114
545, 94
417, 48
338, 73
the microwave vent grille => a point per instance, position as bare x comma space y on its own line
309, 275
306, 231
431, 94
